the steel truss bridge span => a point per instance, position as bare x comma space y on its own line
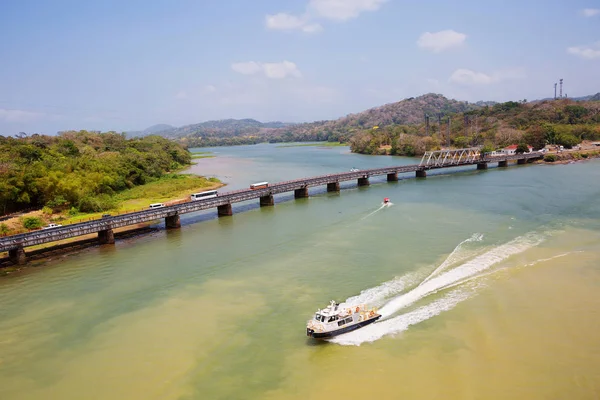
104, 226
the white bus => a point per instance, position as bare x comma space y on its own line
259, 185
156, 205
204, 195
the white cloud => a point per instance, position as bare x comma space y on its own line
312, 28
469, 77
19, 115
337, 10
284, 21
590, 12
288, 22
246, 68
442, 40
181, 95
210, 89
278, 70
342, 10
587, 52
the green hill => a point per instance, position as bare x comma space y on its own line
566, 122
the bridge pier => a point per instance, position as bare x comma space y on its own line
363, 181
301, 193
521, 161
421, 173
503, 163
333, 187
266, 201
172, 222
482, 166
17, 256
106, 236
224, 210
393, 177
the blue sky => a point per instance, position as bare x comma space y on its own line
126, 65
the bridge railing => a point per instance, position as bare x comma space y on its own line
95, 224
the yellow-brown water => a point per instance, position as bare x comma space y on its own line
489, 281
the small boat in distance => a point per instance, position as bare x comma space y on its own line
335, 320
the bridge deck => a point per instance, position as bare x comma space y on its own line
84, 228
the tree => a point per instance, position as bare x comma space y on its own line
567, 140
536, 137
485, 149
461, 142
32, 222
522, 148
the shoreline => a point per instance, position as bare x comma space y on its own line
40, 253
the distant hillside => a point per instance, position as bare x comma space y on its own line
405, 112
590, 97
224, 128
150, 131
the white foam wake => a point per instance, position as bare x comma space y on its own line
402, 322
454, 256
457, 276
371, 213
470, 268
376, 295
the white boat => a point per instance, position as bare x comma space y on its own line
335, 320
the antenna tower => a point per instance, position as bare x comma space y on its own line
554, 90
561, 81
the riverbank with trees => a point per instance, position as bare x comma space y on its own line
82, 175
558, 122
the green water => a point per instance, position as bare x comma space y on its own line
217, 309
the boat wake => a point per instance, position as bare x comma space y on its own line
456, 279
373, 212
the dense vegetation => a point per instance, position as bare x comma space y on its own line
80, 170
248, 131
561, 122
398, 128
226, 132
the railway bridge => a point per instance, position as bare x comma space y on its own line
103, 227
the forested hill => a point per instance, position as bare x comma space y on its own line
565, 122
80, 169
248, 131
406, 112
218, 129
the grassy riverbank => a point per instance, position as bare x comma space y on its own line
202, 154
169, 188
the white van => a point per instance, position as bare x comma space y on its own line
51, 226
156, 205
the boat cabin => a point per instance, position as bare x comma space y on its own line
334, 320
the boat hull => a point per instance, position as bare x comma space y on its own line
346, 329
